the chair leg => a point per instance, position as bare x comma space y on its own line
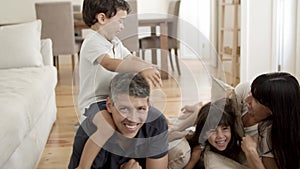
78, 54
154, 56
177, 61
56, 62
143, 54
171, 60
73, 62
137, 53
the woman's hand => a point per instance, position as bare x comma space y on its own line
249, 145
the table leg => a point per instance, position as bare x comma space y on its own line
153, 51
164, 50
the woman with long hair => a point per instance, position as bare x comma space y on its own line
273, 103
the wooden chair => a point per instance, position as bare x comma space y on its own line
129, 35
58, 25
153, 42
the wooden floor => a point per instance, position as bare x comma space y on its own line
192, 86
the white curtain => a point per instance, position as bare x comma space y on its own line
298, 43
286, 36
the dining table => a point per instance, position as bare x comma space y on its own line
161, 21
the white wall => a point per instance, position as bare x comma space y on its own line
152, 6
256, 38
14, 11
194, 28
298, 43
289, 36
270, 37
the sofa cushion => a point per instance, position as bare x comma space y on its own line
179, 153
215, 161
220, 89
24, 95
20, 45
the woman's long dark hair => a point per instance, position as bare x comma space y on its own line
225, 109
281, 94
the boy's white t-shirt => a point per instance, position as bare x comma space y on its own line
94, 80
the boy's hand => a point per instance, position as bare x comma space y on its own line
131, 164
152, 75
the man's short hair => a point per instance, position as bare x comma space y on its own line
132, 84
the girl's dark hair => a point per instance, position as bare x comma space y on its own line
281, 94
109, 7
224, 108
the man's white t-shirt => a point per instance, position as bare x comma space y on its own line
94, 79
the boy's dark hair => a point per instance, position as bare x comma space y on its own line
132, 84
109, 7
225, 109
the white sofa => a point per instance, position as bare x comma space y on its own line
27, 95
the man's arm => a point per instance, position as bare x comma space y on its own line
160, 163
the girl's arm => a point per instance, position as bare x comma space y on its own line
195, 157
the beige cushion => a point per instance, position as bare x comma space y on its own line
179, 153
20, 45
220, 89
216, 161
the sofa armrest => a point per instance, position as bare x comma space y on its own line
46, 51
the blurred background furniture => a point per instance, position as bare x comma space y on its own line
76, 8
58, 25
28, 81
153, 42
129, 35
